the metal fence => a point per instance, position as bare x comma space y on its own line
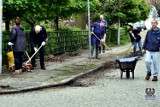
60, 42
66, 41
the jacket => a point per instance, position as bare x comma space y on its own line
38, 38
152, 41
18, 38
98, 30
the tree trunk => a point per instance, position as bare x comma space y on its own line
31, 22
56, 22
7, 25
83, 21
119, 25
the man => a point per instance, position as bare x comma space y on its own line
104, 38
136, 39
18, 40
98, 32
38, 37
152, 47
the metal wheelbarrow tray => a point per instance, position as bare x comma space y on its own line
127, 65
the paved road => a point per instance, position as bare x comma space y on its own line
107, 90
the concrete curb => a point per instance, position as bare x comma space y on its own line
65, 82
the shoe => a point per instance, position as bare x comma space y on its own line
43, 68
155, 78
32, 68
148, 76
16, 72
98, 57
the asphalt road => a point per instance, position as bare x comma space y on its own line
103, 89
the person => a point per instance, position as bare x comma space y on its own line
102, 47
18, 40
152, 47
136, 39
97, 31
38, 37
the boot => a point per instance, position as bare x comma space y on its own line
92, 50
148, 76
16, 72
20, 71
99, 49
103, 49
97, 52
154, 78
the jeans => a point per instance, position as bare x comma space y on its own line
18, 60
152, 57
135, 46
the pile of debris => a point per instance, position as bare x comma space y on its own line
75, 53
110, 65
52, 58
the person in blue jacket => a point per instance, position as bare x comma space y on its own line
18, 40
152, 47
98, 30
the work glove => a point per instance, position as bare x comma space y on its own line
43, 43
102, 40
35, 49
10, 43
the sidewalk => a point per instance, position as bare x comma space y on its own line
57, 73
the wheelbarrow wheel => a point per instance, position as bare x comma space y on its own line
127, 74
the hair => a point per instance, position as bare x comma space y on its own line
17, 21
101, 16
38, 28
154, 20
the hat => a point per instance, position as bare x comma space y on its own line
104, 21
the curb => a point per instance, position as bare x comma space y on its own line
65, 82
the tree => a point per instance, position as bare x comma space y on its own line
32, 10
124, 11
156, 3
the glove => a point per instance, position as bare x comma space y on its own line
10, 43
35, 49
43, 43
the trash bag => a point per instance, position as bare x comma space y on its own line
10, 58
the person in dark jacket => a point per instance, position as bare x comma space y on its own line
98, 30
38, 37
136, 39
18, 40
152, 47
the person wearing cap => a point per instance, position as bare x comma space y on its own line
18, 40
134, 33
38, 37
104, 37
97, 34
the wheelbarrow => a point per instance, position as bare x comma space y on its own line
127, 65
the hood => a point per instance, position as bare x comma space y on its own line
19, 27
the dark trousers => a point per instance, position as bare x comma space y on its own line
18, 60
41, 52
